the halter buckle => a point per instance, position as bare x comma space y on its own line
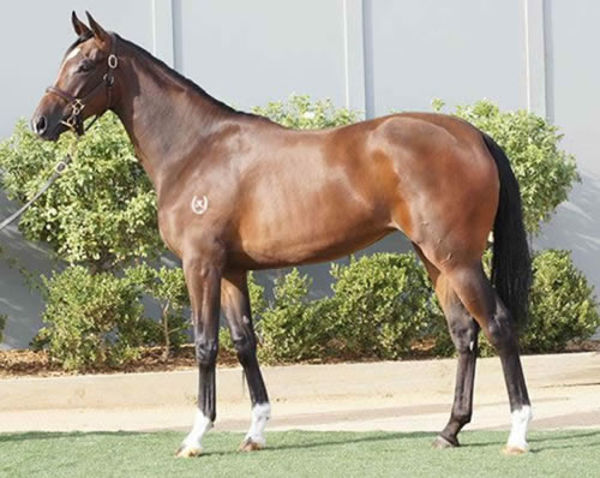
60, 167
69, 122
109, 79
113, 61
77, 107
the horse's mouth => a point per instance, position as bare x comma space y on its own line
52, 134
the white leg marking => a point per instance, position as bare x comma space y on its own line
518, 433
261, 412
201, 425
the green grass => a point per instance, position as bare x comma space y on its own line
323, 454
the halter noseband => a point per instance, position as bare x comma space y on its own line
74, 122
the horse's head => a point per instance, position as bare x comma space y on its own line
84, 84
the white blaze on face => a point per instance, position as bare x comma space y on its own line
72, 54
261, 412
518, 433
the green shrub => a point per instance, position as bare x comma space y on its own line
300, 112
545, 173
225, 342
383, 303
563, 306
167, 287
258, 303
102, 211
92, 320
291, 327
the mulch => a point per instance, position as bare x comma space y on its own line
38, 364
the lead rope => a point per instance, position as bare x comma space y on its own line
59, 169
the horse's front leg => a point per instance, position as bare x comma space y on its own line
236, 305
203, 279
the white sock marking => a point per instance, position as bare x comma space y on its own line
518, 433
261, 412
201, 425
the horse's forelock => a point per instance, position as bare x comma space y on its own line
80, 39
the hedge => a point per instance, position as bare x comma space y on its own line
383, 307
101, 219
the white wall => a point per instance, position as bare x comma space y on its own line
372, 55
573, 80
460, 51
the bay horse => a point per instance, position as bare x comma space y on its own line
237, 192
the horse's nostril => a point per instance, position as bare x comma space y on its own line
40, 124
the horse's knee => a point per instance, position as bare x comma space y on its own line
206, 352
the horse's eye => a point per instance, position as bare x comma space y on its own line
85, 66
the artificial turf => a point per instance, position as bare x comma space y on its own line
297, 453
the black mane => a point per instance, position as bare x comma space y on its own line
186, 81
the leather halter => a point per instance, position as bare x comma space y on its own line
77, 104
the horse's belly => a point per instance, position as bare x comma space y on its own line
316, 212
309, 242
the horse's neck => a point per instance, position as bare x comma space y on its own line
166, 120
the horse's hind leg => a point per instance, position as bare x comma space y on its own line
464, 331
236, 305
478, 296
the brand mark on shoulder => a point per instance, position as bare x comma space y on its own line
199, 205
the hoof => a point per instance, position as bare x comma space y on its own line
250, 445
514, 450
188, 452
440, 443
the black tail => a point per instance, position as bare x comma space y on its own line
511, 265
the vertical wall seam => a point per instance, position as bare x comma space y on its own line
354, 71
535, 54
162, 31
368, 68
346, 59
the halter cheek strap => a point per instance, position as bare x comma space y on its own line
74, 121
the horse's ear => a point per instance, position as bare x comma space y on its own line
99, 32
79, 27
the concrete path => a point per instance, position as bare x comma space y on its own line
399, 396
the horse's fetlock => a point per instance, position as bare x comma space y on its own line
462, 418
